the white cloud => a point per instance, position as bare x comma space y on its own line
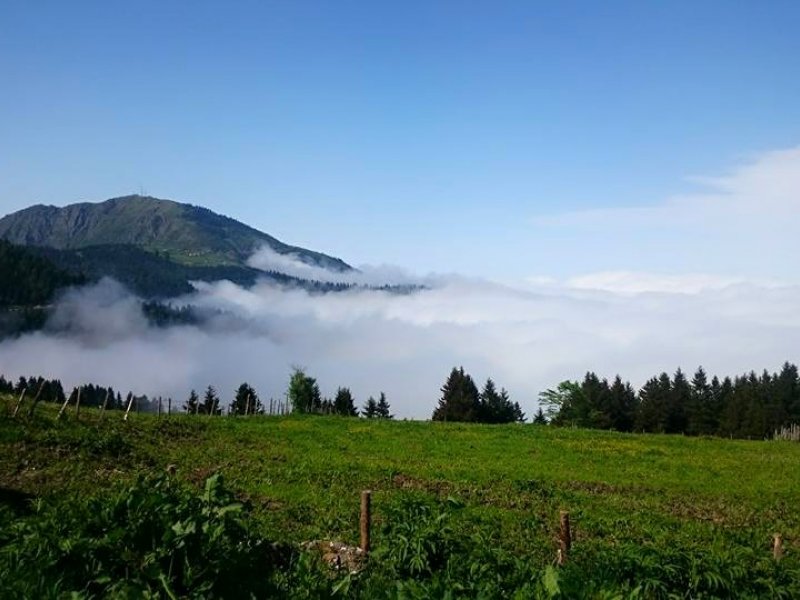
742, 225
526, 339
629, 282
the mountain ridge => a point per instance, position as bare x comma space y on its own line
187, 234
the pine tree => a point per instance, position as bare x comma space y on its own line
622, 404
596, 394
370, 410
489, 403
246, 401
701, 415
539, 418
382, 409
518, 415
192, 404
787, 392
654, 398
343, 403
210, 405
680, 397
460, 400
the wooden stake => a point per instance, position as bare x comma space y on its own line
35, 400
777, 547
78, 404
564, 538
169, 406
128, 410
159, 406
105, 404
366, 519
19, 402
66, 403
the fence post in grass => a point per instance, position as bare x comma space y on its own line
19, 402
105, 403
366, 519
777, 547
128, 410
169, 405
78, 404
159, 407
564, 538
66, 403
35, 400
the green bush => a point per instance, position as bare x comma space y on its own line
152, 539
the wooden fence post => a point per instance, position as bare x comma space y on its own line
564, 538
78, 404
159, 407
128, 410
19, 402
36, 400
777, 547
169, 406
366, 519
66, 403
105, 404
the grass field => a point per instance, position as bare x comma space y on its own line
653, 515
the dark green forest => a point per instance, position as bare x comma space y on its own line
28, 279
747, 406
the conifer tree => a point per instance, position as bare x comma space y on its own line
382, 408
343, 403
246, 401
539, 418
654, 398
460, 400
210, 404
192, 404
370, 409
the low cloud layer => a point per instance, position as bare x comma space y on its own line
527, 339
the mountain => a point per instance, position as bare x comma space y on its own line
182, 233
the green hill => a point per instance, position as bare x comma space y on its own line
460, 510
186, 234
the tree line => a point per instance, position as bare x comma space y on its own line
461, 401
746, 406
302, 396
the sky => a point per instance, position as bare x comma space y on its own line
580, 186
505, 140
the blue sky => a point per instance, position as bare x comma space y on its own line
496, 139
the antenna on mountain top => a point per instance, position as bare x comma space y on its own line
142, 191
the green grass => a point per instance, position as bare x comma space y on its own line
665, 499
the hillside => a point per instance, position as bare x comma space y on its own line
467, 509
186, 234
27, 279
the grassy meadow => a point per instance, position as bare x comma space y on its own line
459, 510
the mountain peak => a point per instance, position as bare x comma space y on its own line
188, 234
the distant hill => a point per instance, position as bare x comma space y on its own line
29, 280
182, 233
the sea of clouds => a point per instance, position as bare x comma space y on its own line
526, 338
